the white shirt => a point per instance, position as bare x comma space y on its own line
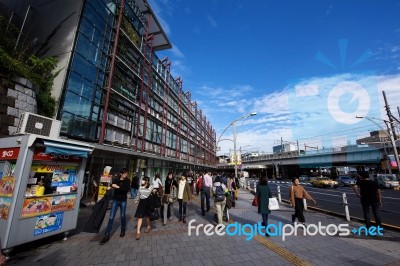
156, 183
182, 185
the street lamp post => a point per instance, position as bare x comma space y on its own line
388, 133
233, 124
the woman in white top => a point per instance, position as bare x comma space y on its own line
184, 196
144, 207
157, 182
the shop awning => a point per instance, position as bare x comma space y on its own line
66, 149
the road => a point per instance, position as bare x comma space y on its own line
332, 200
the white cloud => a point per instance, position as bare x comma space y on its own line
177, 52
306, 90
307, 119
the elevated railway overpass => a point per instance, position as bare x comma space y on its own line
289, 164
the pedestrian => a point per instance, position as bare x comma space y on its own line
264, 194
134, 186
121, 187
190, 181
157, 184
370, 195
242, 181
170, 183
219, 190
144, 205
205, 193
231, 184
199, 183
184, 195
296, 195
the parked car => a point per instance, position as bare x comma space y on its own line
346, 180
324, 182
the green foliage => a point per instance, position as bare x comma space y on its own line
17, 60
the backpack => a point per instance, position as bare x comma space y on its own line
219, 193
200, 183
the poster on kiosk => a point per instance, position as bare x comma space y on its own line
41, 182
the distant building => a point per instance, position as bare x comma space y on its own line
376, 139
286, 147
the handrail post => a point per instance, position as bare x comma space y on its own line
346, 207
278, 188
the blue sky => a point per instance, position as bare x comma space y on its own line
306, 67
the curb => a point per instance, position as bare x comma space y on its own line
352, 218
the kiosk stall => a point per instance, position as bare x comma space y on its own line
27, 164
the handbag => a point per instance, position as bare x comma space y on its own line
255, 201
154, 215
228, 203
168, 198
273, 204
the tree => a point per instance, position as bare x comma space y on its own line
19, 60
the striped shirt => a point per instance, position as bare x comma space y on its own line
144, 192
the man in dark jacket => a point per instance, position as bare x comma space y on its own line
370, 195
120, 186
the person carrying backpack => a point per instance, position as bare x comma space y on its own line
219, 192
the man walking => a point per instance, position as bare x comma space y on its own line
370, 195
205, 193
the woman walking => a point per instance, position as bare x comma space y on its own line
296, 194
264, 194
121, 186
184, 196
157, 185
170, 183
231, 184
144, 206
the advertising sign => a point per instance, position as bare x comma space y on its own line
48, 223
36, 206
63, 203
5, 204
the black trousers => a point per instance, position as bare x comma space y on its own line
205, 196
298, 210
375, 211
182, 208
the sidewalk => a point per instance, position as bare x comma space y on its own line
171, 245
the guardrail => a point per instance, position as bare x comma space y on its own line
252, 185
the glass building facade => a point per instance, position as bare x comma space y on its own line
113, 90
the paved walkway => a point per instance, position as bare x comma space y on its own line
171, 245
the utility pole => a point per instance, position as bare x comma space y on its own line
390, 116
